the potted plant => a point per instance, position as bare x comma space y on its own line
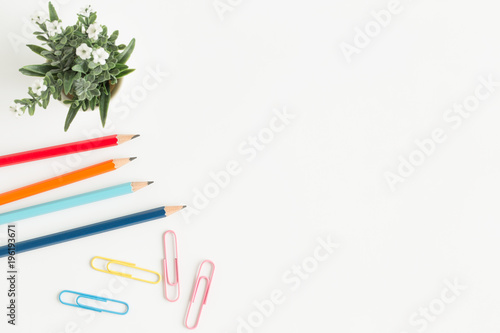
83, 65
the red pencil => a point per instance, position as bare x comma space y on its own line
65, 149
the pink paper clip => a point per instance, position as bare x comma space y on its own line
167, 282
195, 291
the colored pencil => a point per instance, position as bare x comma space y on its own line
65, 149
92, 229
63, 180
70, 202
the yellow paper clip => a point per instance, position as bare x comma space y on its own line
125, 264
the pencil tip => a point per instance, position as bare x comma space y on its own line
169, 210
184, 206
132, 158
122, 138
150, 182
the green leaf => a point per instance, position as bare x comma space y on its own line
97, 71
103, 77
30, 73
125, 55
42, 38
84, 105
69, 78
48, 55
110, 47
73, 110
68, 63
104, 90
124, 73
93, 103
45, 101
92, 18
37, 49
82, 19
50, 78
93, 65
95, 92
31, 109
57, 94
52, 13
81, 88
121, 67
114, 36
68, 51
104, 105
36, 70
78, 68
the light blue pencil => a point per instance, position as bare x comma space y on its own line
70, 202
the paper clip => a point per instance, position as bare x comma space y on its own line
195, 291
125, 264
166, 279
77, 303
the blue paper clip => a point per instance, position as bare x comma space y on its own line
77, 303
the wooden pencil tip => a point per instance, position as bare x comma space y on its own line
132, 158
150, 182
136, 186
119, 162
169, 210
122, 138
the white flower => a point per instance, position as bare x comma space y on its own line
84, 52
94, 30
17, 109
54, 28
86, 10
38, 87
39, 17
100, 56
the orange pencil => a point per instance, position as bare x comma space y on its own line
63, 180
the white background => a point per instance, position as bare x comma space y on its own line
323, 175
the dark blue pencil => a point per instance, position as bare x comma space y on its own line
92, 229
